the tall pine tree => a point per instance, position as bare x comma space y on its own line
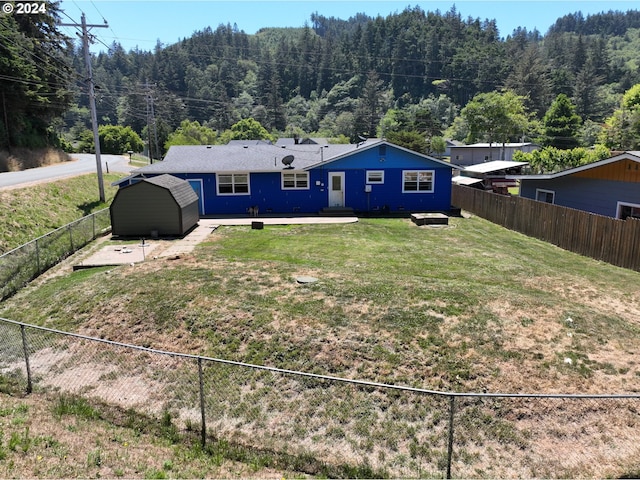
561, 124
35, 77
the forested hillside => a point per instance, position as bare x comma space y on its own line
410, 71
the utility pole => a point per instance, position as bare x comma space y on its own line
151, 122
92, 95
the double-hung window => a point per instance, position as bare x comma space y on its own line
295, 180
417, 181
233, 184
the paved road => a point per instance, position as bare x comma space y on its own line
82, 164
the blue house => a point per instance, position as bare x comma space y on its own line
609, 187
368, 178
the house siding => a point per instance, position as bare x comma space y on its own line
587, 194
267, 193
471, 155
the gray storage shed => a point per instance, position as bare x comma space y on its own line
160, 206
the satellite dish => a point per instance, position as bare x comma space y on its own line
287, 161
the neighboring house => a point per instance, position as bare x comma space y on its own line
465, 155
490, 175
158, 206
449, 144
373, 176
609, 187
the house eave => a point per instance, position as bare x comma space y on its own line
633, 156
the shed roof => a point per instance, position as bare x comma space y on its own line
180, 189
631, 155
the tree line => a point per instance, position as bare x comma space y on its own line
414, 76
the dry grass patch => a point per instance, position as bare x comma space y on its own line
472, 308
37, 442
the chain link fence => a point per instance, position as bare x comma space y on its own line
23, 264
330, 426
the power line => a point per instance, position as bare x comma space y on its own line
92, 97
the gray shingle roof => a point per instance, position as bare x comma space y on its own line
179, 189
241, 157
255, 157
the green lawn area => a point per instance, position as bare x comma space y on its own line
470, 307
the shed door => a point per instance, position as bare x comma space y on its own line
336, 189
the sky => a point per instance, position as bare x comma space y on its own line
142, 24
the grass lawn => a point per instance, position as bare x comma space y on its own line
469, 307
25, 214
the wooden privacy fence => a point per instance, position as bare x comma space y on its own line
602, 238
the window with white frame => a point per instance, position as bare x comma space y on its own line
295, 180
233, 183
417, 181
375, 177
626, 210
547, 196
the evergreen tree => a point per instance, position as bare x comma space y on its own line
35, 77
561, 124
409, 139
370, 107
530, 79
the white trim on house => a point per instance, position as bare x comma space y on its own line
300, 181
545, 192
374, 177
336, 195
634, 206
200, 193
419, 177
236, 184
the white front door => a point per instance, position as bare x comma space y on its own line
336, 189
